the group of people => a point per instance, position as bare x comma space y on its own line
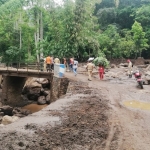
101, 70
90, 66
72, 65
48, 63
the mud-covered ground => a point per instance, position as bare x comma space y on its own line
80, 121
92, 116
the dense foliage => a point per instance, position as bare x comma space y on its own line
101, 60
31, 29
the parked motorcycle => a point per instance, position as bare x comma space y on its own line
138, 78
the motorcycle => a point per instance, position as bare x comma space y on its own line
139, 79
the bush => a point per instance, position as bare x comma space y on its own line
101, 60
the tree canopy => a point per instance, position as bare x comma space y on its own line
31, 29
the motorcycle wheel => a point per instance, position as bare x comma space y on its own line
141, 85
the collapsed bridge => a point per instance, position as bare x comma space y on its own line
14, 80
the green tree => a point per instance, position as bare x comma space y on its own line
139, 38
109, 40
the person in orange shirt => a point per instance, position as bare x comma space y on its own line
48, 63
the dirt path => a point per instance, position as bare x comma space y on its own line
129, 127
91, 116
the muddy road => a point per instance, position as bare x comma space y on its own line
129, 116
112, 114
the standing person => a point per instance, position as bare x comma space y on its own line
101, 71
41, 63
71, 64
48, 63
52, 63
129, 68
75, 66
90, 67
56, 60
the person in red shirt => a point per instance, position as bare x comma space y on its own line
101, 71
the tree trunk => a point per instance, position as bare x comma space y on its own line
20, 39
41, 33
36, 36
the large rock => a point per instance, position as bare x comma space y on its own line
147, 73
148, 68
146, 77
31, 83
21, 112
45, 93
7, 110
48, 101
111, 74
8, 119
33, 93
34, 88
123, 64
113, 66
44, 82
1, 125
139, 61
41, 100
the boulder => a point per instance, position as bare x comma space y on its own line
1, 125
8, 119
111, 74
123, 64
21, 112
34, 88
7, 110
33, 93
139, 61
113, 66
41, 100
2, 114
147, 73
44, 82
148, 68
48, 99
45, 93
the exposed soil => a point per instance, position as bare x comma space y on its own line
90, 117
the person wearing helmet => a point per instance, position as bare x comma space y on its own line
129, 68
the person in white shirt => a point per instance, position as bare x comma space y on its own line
56, 60
129, 68
75, 66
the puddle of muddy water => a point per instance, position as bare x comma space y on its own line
34, 107
137, 104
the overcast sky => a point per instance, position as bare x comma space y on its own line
58, 1
61, 1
